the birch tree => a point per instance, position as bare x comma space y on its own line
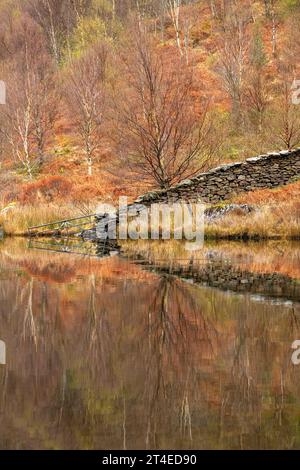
16, 119
286, 124
271, 7
233, 50
57, 19
28, 118
174, 12
86, 98
162, 139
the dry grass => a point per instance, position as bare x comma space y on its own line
17, 219
277, 216
283, 194
269, 221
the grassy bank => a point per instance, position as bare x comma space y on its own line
266, 222
15, 220
276, 216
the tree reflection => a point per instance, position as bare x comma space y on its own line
117, 358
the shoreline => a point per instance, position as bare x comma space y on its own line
243, 237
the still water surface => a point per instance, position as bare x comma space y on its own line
109, 354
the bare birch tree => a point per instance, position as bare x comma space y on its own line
57, 19
272, 15
86, 94
233, 51
28, 118
286, 125
174, 12
162, 138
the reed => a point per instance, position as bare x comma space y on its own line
267, 222
15, 220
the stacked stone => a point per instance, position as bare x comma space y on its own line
227, 277
222, 183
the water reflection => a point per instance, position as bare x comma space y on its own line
266, 269
75, 246
104, 354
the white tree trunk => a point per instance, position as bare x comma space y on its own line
274, 35
90, 167
174, 11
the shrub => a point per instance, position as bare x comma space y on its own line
49, 189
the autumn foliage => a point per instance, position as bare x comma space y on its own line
46, 190
114, 96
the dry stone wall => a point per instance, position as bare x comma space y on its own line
227, 277
222, 183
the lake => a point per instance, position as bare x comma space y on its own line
152, 348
